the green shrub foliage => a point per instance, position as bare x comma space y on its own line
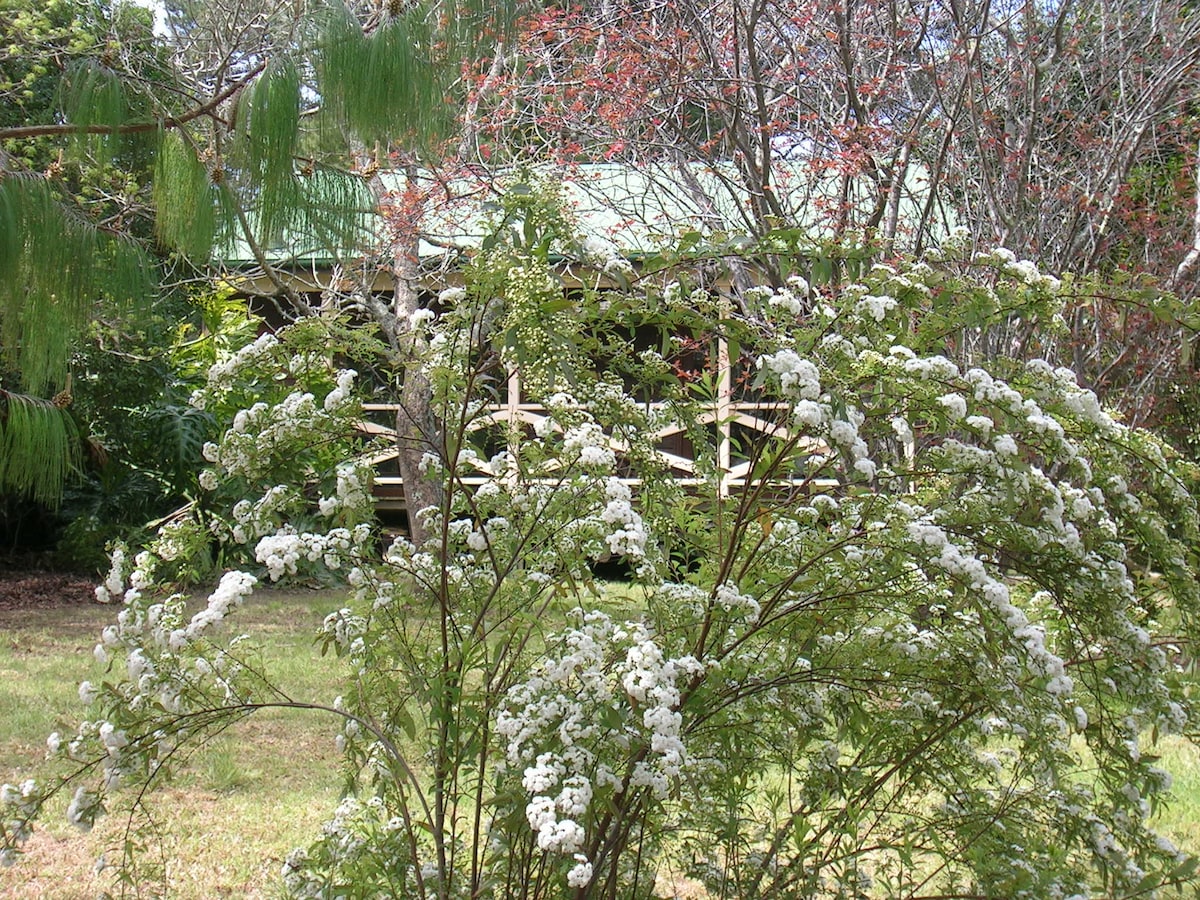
900, 631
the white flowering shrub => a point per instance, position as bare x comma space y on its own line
914, 650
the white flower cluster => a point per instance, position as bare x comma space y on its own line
962, 565
954, 404
581, 873
283, 551
257, 430
340, 831
140, 577
85, 807
342, 392
264, 430
588, 444
254, 356
915, 278
1024, 270
477, 538
251, 520
875, 307
352, 493
603, 255
19, 804
1062, 384
362, 846
789, 300
675, 295
114, 741
346, 629
232, 591
798, 377
730, 599
567, 748
596, 251
932, 368
296, 880
799, 285
845, 431
114, 582
627, 536
176, 539
554, 834
559, 704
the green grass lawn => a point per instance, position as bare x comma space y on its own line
241, 804
266, 785
1181, 820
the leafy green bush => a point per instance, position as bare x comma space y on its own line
882, 627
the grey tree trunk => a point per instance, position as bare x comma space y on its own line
418, 431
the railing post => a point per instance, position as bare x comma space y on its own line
724, 407
516, 424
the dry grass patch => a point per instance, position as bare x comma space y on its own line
240, 804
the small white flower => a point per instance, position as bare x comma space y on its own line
954, 404
581, 873
82, 810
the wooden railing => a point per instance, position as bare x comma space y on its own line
726, 415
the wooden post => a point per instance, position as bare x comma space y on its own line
516, 422
724, 407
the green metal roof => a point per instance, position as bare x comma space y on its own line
634, 209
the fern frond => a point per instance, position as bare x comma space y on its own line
179, 432
39, 447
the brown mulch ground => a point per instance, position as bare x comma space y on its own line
26, 590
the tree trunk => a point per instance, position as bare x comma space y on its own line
418, 431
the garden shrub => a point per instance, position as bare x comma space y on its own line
917, 651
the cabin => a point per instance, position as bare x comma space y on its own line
625, 212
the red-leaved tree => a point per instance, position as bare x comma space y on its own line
1064, 132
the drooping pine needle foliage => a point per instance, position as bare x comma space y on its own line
93, 94
396, 82
271, 113
331, 207
38, 447
398, 55
384, 84
238, 152
53, 267
185, 197
389, 81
